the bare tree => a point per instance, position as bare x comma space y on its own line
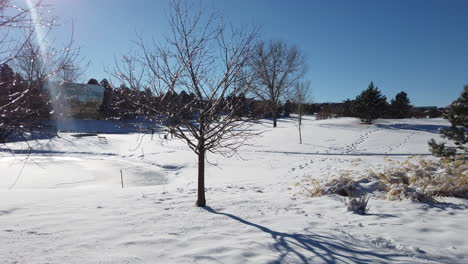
50, 68
20, 106
300, 96
207, 60
40, 61
277, 68
12, 19
28, 64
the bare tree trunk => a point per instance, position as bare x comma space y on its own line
300, 132
275, 114
201, 201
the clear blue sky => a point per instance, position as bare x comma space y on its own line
419, 46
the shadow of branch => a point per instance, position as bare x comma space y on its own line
310, 247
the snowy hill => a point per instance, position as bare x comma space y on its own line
68, 205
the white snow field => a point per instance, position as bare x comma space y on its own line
68, 205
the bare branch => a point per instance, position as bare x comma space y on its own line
277, 69
208, 62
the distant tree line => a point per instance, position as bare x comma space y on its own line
122, 103
29, 109
125, 103
371, 104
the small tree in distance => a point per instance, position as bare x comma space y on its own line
93, 81
400, 107
370, 104
348, 107
106, 104
277, 68
300, 95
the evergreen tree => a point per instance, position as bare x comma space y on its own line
237, 104
122, 104
23, 106
457, 115
287, 108
370, 104
400, 107
93, 81
348, 106
106, 105
187, 103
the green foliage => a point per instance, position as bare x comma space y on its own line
400, 107
287, 108
441, 150
348, 106
93, 81
370, 104
238, 104
106, 106
457, 133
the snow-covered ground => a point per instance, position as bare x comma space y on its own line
68, 205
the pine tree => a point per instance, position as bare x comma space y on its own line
106, 108
287, 108
93, 81
124, 104
23, 106
237, 104
400, 107
348, 106
370, 104
457, 115
187, 102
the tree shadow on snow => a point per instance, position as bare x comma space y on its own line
382, 215
52, 152
344, 154
7, 212
310, 247
414, 127
444, 206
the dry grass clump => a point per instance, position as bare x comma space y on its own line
315, 188
358, 205
343, 185
418, 180
425, 179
